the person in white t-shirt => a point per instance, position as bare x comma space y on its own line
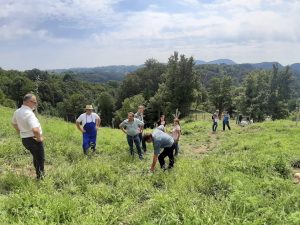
176, 132
215, 119
90, 123
28, 126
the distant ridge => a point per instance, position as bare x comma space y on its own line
218, 62
118, 72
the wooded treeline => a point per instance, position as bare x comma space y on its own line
162, 88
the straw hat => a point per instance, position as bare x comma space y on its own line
89, 107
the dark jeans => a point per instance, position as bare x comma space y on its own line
38, 153
167, 152
136, 140
226, 123
176, 148
214, 126
144, 146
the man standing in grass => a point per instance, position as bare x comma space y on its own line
90, 122
161, 140
28, 126
132, 127
140, 115
226, 121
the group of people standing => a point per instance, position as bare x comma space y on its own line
29, 128
215, 120
133, 127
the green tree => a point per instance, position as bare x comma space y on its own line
220, 93
105, 105
129, 105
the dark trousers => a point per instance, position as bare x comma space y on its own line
167, 152
226, 123
136, 140
214, 126
37, 151
144, 146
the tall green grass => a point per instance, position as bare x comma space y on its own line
244, 177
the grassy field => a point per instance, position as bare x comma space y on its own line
242, 176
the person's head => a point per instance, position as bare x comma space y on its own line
30, 101
147, 138
141, 109
162, 117
89, 109
130, 116
176, 121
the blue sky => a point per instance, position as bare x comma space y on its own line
48, 34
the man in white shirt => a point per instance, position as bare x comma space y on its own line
90, 122
28, 126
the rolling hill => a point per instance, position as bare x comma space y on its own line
239, 177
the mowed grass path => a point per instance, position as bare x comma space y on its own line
242, 176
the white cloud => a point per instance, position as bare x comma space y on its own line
220, 29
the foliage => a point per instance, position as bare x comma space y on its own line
105, 105
129, 105
220, 93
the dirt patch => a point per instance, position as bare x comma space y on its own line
201, 150
212, 143
28, 170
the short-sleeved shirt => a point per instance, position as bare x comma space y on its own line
175, 132
215, 117
26, 120
139, 116
85, 118
133, 127
226, 118
161, 140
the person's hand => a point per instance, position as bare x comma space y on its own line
83, 131
39, 139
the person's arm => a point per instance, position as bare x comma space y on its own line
37, 134
122, 127
141, 125
16, 128
14, 123
79, 127
154, 161
156, 146
179, 133
98, 121
35, 127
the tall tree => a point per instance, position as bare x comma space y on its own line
220, 93
180, 82
105, 105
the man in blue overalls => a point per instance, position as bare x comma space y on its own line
90, 122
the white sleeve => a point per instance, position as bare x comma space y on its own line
123, 124
80, 118
140, 123
33, 122
96, 116
161, 127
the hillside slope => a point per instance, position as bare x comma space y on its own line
239, 177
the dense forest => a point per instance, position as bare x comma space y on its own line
161, 87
